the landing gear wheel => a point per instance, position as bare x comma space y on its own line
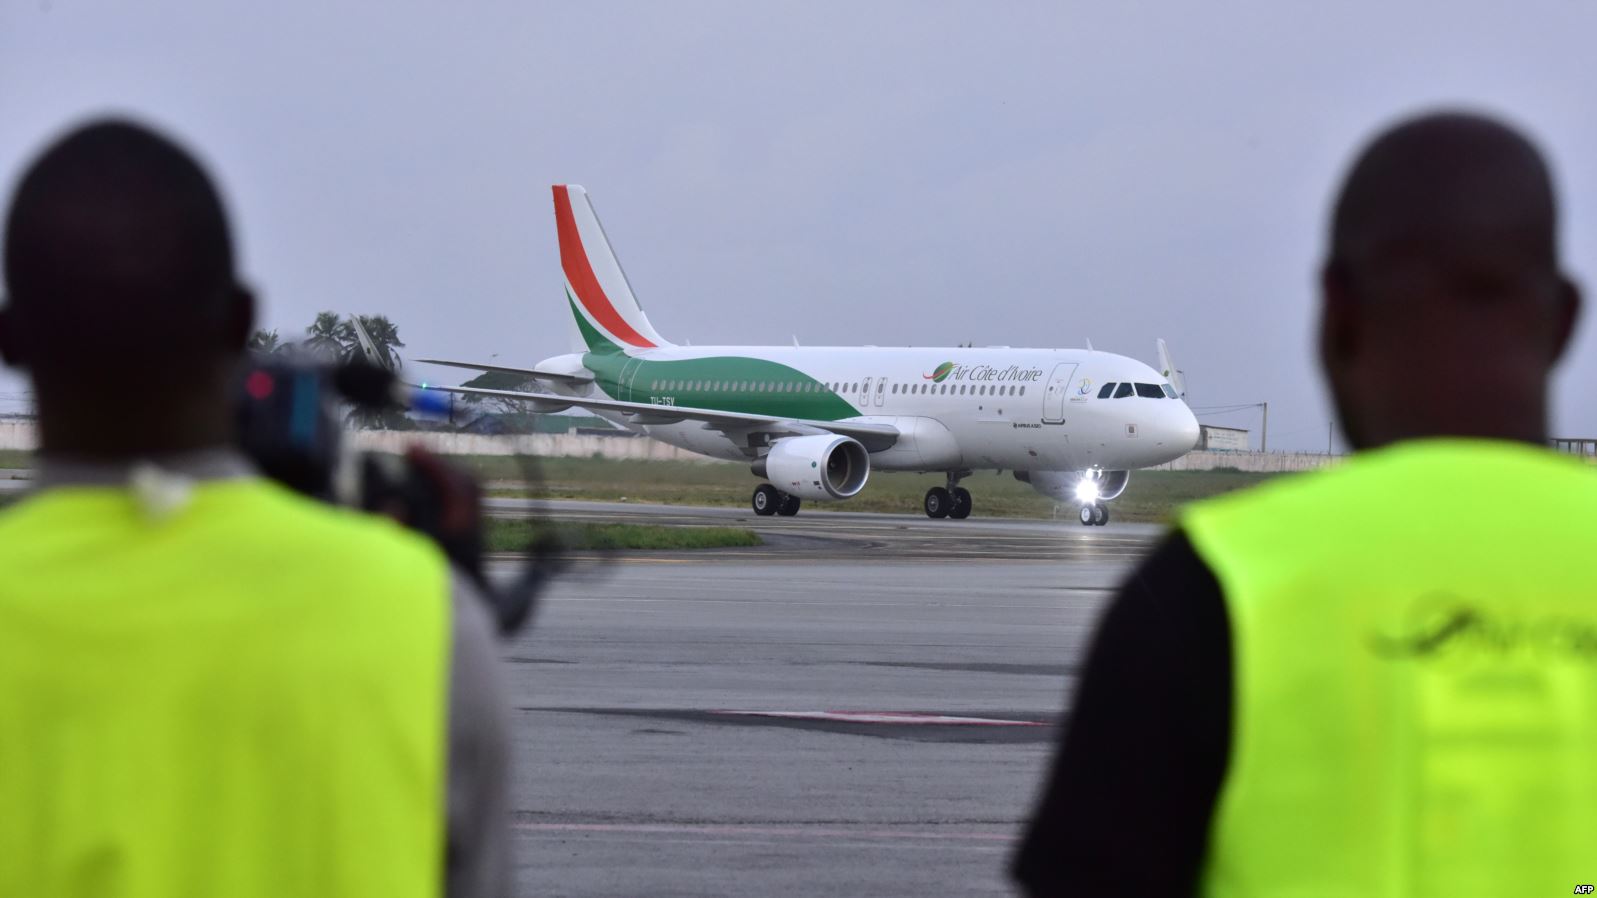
938, 502
961, 507
789, 505
766, 499
1102, 516
1088, 515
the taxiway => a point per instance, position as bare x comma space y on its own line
863, 706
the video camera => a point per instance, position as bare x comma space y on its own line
289, 424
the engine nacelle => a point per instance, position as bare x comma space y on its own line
824, 466
1081, 487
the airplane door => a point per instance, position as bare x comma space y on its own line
865, 393
881, 390
1053, 398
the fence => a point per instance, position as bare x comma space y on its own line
1262, 462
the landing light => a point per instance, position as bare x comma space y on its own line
1087, 491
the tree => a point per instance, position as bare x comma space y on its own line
384, 333
500, 380
329, 338
267, 342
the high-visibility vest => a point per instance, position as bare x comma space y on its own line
246, 698
1415, 659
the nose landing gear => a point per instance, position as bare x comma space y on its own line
1093, 514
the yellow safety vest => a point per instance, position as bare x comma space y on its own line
244, 699
1415, 661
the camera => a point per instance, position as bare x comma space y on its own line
290, 424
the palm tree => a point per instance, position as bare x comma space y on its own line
329, 337
265, 342
384, 333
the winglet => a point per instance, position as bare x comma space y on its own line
368, 347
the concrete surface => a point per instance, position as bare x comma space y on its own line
632, 780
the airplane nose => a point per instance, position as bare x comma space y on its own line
1186, 430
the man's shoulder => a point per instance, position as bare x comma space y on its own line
1438, 468
325, 528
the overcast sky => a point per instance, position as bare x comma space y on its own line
859, 172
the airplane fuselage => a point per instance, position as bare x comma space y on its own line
956, 408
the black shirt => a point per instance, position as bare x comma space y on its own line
1126, 809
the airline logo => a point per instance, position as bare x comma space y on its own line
983, 373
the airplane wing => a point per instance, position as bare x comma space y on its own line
368, 347
527, 372
874, 437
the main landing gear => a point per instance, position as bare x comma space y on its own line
769, 500
952, 501
1093, 514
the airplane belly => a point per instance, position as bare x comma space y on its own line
924, 444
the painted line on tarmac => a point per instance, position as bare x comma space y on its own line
743, 829
894, 718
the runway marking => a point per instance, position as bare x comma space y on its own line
741, 829
896, 718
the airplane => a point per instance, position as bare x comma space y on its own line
813, 422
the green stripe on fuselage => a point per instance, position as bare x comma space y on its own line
722, 383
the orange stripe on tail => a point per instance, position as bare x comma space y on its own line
574, 260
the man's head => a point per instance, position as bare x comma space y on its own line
122, 301
1444, 308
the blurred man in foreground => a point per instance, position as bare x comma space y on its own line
209, 685
1379, 679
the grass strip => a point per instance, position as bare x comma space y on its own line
510, 535
1151, 496
16, 459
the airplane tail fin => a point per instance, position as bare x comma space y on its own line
608, 316
1177, 377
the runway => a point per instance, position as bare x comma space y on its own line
642, 771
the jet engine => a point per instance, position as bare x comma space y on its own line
1082, 487
823, 466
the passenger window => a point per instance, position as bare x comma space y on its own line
1150, 391
1107, 390
1124, 391
1022, 391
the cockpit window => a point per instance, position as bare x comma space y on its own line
1150, 391
1123, 391
1169, 391
1108, 388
